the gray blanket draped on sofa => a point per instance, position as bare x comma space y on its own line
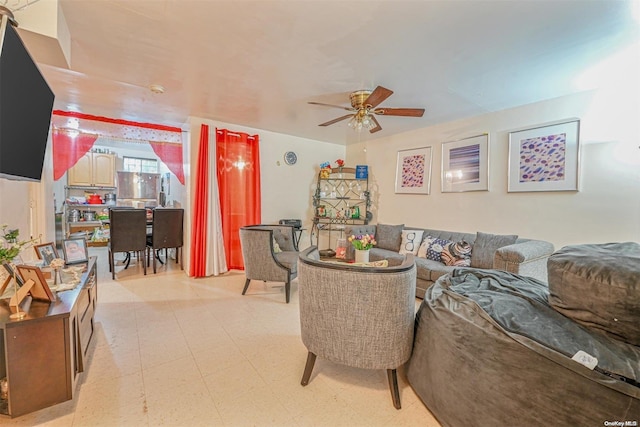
489, 350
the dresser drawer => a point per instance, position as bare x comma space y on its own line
84, 301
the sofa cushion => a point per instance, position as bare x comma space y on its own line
485, 247
427, 269
457, 254
432, 248
411, 240
598, 285
389, 236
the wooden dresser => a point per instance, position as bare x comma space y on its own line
43, 354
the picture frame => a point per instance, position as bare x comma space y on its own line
413, 171
75, 251
545, 158
12, 273
465, 164
46, 252
10, 276
40, 289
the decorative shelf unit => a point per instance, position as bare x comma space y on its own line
340, 199
88, 227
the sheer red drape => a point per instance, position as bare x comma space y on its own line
70, 145
200, 208
68, 148
238, 166
171, 155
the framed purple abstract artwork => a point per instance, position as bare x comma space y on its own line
413, 171
465, 164
545, 158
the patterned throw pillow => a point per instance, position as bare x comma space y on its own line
432, 248
411, 240
457, 254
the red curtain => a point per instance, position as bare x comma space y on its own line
68, 148
171, 155
200, 208
166, 141
238, 170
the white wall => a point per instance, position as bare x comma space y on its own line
607, 207
28, 206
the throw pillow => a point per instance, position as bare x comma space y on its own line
276, 247
411, 240
432, 248
389, 236
283, 241
457, 254
485, 247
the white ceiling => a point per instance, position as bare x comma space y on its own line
258, 63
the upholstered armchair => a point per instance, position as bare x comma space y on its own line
357, 316
270, 254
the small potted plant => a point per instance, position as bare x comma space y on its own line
362, 244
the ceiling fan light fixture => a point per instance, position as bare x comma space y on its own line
364, 104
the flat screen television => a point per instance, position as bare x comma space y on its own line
26, 104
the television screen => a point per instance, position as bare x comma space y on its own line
26, 104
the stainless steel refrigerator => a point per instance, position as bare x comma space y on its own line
138, 189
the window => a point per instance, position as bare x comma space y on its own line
135, 164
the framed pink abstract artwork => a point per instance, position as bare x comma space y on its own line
413, 171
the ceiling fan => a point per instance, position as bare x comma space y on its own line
363, 108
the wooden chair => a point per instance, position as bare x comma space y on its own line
128, 233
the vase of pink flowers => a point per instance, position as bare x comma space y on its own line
362, 244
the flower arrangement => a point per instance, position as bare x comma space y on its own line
10, 246
362, 242
56, 263
340, 163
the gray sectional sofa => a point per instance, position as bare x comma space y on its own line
525, 257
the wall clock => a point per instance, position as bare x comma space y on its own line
290, 158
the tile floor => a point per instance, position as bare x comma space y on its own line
174, 351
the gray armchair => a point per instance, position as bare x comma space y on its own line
357, 316
265, 261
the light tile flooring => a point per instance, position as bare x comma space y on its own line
173, 351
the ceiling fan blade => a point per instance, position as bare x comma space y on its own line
339, 119
377, 128
331, 105
378, 95
407, 112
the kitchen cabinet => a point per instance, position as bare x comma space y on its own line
93, 170
340, 199
43, 355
